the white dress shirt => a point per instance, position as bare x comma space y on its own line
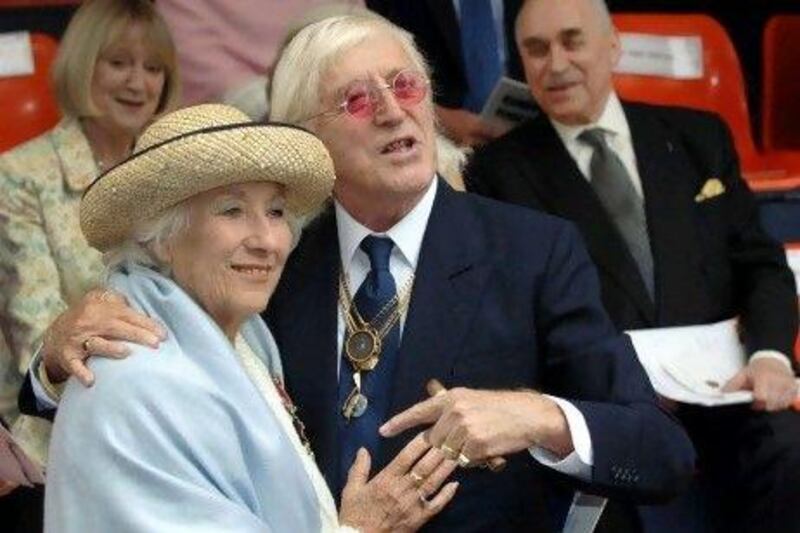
407, 235
617, 135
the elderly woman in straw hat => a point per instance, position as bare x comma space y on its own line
199, 434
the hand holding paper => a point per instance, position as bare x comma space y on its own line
772, 383
692, 364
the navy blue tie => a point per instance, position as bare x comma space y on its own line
373, 295
479, 51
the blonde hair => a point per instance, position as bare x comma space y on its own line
95, 26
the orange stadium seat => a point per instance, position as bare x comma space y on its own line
27, 104
781, 83
721, 89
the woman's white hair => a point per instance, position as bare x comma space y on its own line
146, 238
151, 236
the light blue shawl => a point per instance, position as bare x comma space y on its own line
175, 439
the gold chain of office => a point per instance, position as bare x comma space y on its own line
363, 338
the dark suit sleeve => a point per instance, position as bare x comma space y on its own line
27, 401
640, 451
763, 285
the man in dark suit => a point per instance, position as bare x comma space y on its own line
437, 29
503, 302
694, 254
501, 305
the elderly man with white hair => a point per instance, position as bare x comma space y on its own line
499, 304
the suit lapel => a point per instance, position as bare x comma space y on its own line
448, 281
75, 157
566, 192
311, 361
667, 186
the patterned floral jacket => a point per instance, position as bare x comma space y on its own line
45, 263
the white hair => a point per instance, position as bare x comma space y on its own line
297, 80
450, 161
146, 238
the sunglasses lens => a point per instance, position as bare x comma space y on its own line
357, 101
408, 87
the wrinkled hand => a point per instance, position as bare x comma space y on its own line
97, 325
7, 487
401, 497
482, 424
466, 128
772, 382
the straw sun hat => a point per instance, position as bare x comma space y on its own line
197, 149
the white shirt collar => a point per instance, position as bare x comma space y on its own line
612, 120
407, 234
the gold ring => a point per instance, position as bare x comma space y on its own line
85, 345
416, 478
463, 460
425, 501
449, 452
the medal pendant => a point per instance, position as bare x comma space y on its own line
369, 364
355, 405
361, 346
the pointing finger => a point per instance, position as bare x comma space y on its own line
425, 412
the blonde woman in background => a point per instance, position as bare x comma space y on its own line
115, 70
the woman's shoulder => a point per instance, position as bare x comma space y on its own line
36, 161
146, 376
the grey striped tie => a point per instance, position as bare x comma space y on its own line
613, 185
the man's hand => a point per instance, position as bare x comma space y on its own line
466, 128
772, 382
483, 424
97, 325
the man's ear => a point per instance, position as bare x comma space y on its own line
616, 47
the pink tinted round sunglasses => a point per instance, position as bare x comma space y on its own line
361, 97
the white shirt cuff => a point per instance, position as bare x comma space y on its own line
772, 354
43, 400
578, 463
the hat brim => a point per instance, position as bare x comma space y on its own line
161, 176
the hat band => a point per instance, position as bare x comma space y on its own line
193, 133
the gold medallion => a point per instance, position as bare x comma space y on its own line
363, 347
